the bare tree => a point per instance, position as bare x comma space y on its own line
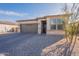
71, 28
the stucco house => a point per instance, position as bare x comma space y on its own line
7, 26
52, 24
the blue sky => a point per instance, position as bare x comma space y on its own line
23, 11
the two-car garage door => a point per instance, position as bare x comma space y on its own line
29, 28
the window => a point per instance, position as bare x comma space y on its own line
56, 21
60, 27
53, 27
53, 21
59, 21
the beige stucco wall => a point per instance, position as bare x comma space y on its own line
28, 22
48, 25
49, 30
55, 32
39, 25
5, 27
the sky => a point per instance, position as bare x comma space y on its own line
24, 11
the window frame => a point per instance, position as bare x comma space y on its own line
57, 23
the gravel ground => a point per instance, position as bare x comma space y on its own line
58, 49
20, 44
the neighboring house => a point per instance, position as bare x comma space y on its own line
52, 24
6, 26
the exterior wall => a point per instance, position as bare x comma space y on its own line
48, 28
40, 25
48, 25
2, 28
51, 31
28, 22
55, 32
7, 28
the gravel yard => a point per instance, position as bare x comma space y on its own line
58, 49
20, 44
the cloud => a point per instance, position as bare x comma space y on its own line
54, 12
12, 13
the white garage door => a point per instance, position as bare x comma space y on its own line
29, 28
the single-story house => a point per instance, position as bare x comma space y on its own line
7, 26
52, 24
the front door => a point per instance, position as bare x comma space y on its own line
43, 26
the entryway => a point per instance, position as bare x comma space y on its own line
43, 29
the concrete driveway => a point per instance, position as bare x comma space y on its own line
20, 44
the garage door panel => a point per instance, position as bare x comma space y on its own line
29, 28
